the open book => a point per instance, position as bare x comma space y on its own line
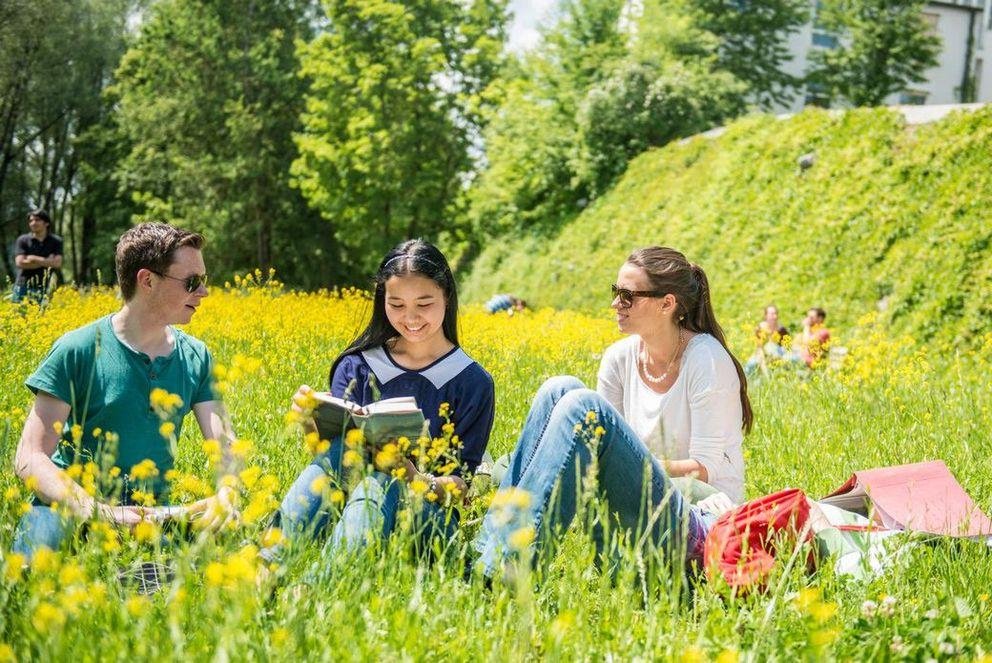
922, 497
381, 421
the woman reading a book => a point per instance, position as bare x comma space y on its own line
671, 401
409, 348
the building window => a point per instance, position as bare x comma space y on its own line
824, 40
913, 98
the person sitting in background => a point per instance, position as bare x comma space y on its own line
812, 344
508, 303
769, 338
37, 254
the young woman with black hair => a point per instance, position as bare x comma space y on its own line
671, 401
409, 348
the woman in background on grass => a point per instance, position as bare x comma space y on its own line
409, 348
671, 401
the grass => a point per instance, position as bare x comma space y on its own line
886, 218
896, 402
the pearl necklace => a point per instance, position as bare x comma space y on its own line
642, 359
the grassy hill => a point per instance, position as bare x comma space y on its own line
889, 217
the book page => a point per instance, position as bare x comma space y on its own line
402, 404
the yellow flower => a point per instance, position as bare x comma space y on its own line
337, 497
212, 449
522, 538
249, 476
352, 458
47, 617
145, 532
137, 606
215, 574
279, 637
43, 560
31, 483
241, 448
7, 654
319, 484
272, 537
418, 486
71, 574
13, 567
167, 429
144, 470
12, 494
693, 654
515, 497
354, 438
387, 457
727, 656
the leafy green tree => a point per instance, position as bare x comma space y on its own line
647, 104
394, 105
209, 96
751, 40
604, 85
884, 45
56, 59
532, 139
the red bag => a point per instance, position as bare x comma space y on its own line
741, 545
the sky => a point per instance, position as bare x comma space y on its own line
527, 16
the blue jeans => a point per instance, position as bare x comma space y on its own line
369, 510
40, 527
550, 458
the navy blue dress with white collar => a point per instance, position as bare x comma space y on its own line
455, 379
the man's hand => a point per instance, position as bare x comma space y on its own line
125, 516
216, 512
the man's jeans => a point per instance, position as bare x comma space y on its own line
42, 526
553, 453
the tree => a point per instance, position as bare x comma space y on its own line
532, 139
647, 104
604, 86
751, 41
56, 59
884, 45
394, 105
209, 96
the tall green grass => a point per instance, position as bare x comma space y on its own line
897, 405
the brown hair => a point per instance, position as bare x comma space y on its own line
149, 246
670, 272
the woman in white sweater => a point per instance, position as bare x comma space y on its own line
671, 401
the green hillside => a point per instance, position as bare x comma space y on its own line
889, 216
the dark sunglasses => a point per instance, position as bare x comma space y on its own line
191, 283
626, 296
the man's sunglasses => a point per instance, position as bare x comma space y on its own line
626, 296
191, 283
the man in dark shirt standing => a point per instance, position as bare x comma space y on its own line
37, 254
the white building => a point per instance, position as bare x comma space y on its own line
961, 58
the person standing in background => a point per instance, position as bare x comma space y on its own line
37, 255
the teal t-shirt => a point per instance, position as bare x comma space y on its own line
108, 387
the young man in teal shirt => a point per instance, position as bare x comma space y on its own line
110, 392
